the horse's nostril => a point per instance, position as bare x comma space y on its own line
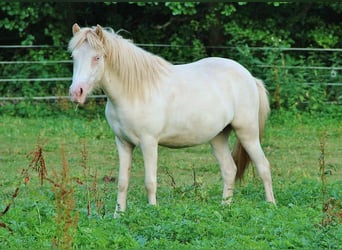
81, 91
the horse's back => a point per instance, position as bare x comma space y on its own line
224, 78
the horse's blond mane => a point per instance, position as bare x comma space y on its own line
138, 70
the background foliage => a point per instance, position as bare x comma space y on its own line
195, 30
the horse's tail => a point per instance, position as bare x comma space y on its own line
240, 155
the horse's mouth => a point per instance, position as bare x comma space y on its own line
79, 100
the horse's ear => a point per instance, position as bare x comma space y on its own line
99, 31
75, 28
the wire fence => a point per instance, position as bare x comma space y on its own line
333, 72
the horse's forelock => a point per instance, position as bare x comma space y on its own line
86, 35
94, 41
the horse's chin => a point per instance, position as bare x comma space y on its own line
79, 100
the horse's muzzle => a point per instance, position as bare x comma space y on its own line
77, 94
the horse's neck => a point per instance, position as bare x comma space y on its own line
112, 85
135, 74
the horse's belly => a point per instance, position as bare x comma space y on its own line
192, 133
179, 144
180, 141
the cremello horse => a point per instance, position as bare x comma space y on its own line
152, 102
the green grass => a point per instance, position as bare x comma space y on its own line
187, 216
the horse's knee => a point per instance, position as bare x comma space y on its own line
122, 185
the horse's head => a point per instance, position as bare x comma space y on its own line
88, 56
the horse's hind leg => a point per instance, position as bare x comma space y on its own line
249, 137
220, 147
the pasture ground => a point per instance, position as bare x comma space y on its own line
75, 208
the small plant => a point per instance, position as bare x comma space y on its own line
66, 218
37, 162
7, 208
331, 207
195, 190
94, 194
173, 182
86, 172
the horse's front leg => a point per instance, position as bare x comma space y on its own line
125, 151
149, 148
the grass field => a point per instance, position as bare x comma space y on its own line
74, 207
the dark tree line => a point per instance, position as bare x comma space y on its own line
304, 24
